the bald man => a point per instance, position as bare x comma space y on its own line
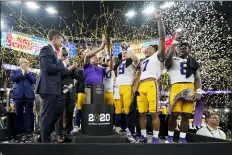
23, 96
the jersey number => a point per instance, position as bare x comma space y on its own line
121, 69
108, 76
145, 65
183, 68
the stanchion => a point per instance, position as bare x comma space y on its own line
97, 120
97, 117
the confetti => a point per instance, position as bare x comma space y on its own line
208, 31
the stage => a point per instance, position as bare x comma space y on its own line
198, 145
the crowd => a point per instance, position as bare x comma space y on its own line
61, 84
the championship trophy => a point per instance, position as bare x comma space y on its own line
106, 36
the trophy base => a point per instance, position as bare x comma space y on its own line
114, 138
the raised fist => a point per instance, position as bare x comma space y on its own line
181, 34
125, 45
175, 43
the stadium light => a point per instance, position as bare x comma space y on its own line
167, 5
32, 5
226, 110
51, 10
3, 25
149, 10
131, 14
15, 2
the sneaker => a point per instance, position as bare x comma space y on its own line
130, 138
169, 139
155, 140
118, 130
141, 139
182, 140
75, 130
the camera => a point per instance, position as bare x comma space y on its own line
64, 52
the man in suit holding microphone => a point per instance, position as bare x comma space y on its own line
23, 96
48, 84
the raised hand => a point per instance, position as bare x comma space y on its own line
72, 67
125, 45
181, 34
66, 61
158, 15
175, 43
104, 42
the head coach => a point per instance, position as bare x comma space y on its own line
48, 84
93, 72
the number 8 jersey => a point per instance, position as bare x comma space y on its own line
151, 67
177, 72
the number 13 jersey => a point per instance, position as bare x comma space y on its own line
151, 67
177, 72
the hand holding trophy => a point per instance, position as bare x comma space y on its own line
181, 34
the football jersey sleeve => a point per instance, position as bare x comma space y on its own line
154, 57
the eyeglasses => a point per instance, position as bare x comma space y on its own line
217, 118
24, 62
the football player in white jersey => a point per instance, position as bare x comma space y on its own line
150, 71
108, 82
124, 71
184, 73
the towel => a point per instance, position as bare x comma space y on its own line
116, 92
192, 66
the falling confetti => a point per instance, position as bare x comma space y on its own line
208, 36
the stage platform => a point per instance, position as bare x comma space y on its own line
115, 138
198, 145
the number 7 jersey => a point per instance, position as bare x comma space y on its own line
177, 72
151, 67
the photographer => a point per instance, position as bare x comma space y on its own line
212, 128
68, 95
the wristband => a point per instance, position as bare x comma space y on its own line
199, 91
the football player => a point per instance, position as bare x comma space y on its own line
124, 71
184, 74
80, 95
108, 82
150, 71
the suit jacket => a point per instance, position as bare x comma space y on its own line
49, 78
23, 84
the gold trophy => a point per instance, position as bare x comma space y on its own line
106, 36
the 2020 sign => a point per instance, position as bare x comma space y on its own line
99, 117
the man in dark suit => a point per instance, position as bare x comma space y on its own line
23, 96
68, 96
48, 84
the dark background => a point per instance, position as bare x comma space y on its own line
70, 9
